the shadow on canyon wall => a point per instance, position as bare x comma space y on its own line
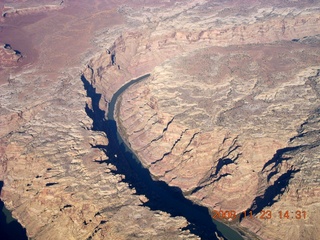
10, 229
269, 197
161, 196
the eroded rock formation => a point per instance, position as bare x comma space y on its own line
230, 120
225, 113
9, 57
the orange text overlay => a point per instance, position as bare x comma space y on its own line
264, 214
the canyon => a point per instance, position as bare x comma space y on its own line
227, 116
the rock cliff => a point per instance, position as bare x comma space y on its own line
215, 122
51, 160
9, 57
238, 118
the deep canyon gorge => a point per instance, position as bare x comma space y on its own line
226, 118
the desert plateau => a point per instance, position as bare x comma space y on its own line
160, 119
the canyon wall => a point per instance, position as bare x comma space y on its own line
219, 122
55, 182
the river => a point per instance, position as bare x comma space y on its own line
161, 196
10, 229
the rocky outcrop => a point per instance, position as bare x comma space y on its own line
8, 56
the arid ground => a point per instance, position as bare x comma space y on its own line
229, 116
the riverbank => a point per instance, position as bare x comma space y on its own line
213, 225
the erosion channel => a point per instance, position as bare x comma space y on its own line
161, 196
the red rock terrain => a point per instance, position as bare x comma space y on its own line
229, 114
229, 120
52, 182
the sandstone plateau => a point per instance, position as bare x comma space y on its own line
230, 115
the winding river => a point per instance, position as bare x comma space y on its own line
161, 196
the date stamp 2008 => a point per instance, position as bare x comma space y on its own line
264, 214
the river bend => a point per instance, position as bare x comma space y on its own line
161, 196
